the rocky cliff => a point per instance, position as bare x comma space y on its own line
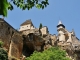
13, 41
23, 44
17, 44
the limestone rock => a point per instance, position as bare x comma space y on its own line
11, 37
32, 42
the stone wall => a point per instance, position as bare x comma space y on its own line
44, 30
26, 27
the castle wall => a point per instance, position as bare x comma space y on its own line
44, 30
70, 39
61, 36
53, 39
32, 27
26, 27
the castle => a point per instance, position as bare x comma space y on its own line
29, 38
63, 34
28, 27
64, 39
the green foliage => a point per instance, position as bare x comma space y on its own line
1, 43
40, 26
53, 53
22, 4
3, 7
3, 53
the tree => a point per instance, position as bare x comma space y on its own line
6, 5
40, 26
54, 53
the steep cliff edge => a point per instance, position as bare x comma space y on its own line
11, 38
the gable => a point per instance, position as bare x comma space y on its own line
27, 22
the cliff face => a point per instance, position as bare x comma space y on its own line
32, 42
16, 44
11, 38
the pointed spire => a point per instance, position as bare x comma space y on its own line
73, 32
59, 22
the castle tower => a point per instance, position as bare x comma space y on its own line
61, 31
27, 25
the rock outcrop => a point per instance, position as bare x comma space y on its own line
13, 41
32, 42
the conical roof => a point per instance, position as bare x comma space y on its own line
59, 22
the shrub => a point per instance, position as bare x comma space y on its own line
1, 43
3, 53
54, 53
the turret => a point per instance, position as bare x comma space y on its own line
61, 31
60, 25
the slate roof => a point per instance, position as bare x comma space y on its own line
27, 22
60, 24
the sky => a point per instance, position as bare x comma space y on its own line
68, 11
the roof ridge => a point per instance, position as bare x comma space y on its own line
27, 22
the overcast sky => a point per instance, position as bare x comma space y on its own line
68, 11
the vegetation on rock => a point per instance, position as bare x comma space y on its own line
1, 44
54, 53
3, 53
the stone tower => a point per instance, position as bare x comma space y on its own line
61, 32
